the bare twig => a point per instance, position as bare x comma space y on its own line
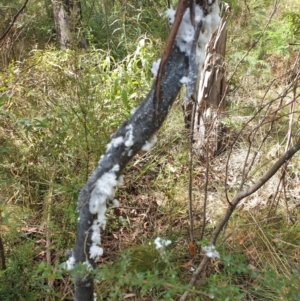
191, 175
48, 207
205, 193
235, 201
284, 93
13, 20
282, 182
2, 255
108, 38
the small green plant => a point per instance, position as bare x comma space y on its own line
19, 281
141, 270
272, 286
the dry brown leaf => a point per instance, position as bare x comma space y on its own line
192, 249
187, 264
127, 296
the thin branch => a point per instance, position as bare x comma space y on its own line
108, 38
287, 90
47, 210
13, 21
236, 200
282, 182
2, 255
191, 174
205, 194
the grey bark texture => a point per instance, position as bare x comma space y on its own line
145, 122
204, 111
208, 128
67, 18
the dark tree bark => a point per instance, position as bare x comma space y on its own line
127, 141
67, 18
145, 122
2, 255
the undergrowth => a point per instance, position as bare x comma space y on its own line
57, 111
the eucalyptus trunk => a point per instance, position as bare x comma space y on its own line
203, 113
208, 127
68, 23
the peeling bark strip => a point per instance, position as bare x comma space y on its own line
119, 153
182, 6
208, 132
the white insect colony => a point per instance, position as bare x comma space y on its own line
211, 252
186, 30
115, 142
103, 191
115, 203
133, 110
95, 297
185, 37
161, 243
149, 143
89, 267
129, 138
155, 67
185, 80
69, 264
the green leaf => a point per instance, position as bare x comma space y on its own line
125, 98
41, 122
116, 87
4, 150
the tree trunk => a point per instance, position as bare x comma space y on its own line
135, 134
144, 122
67, 18
209, 98
208, 129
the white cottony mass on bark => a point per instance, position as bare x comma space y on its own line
192, 45
100, 187
135, 134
